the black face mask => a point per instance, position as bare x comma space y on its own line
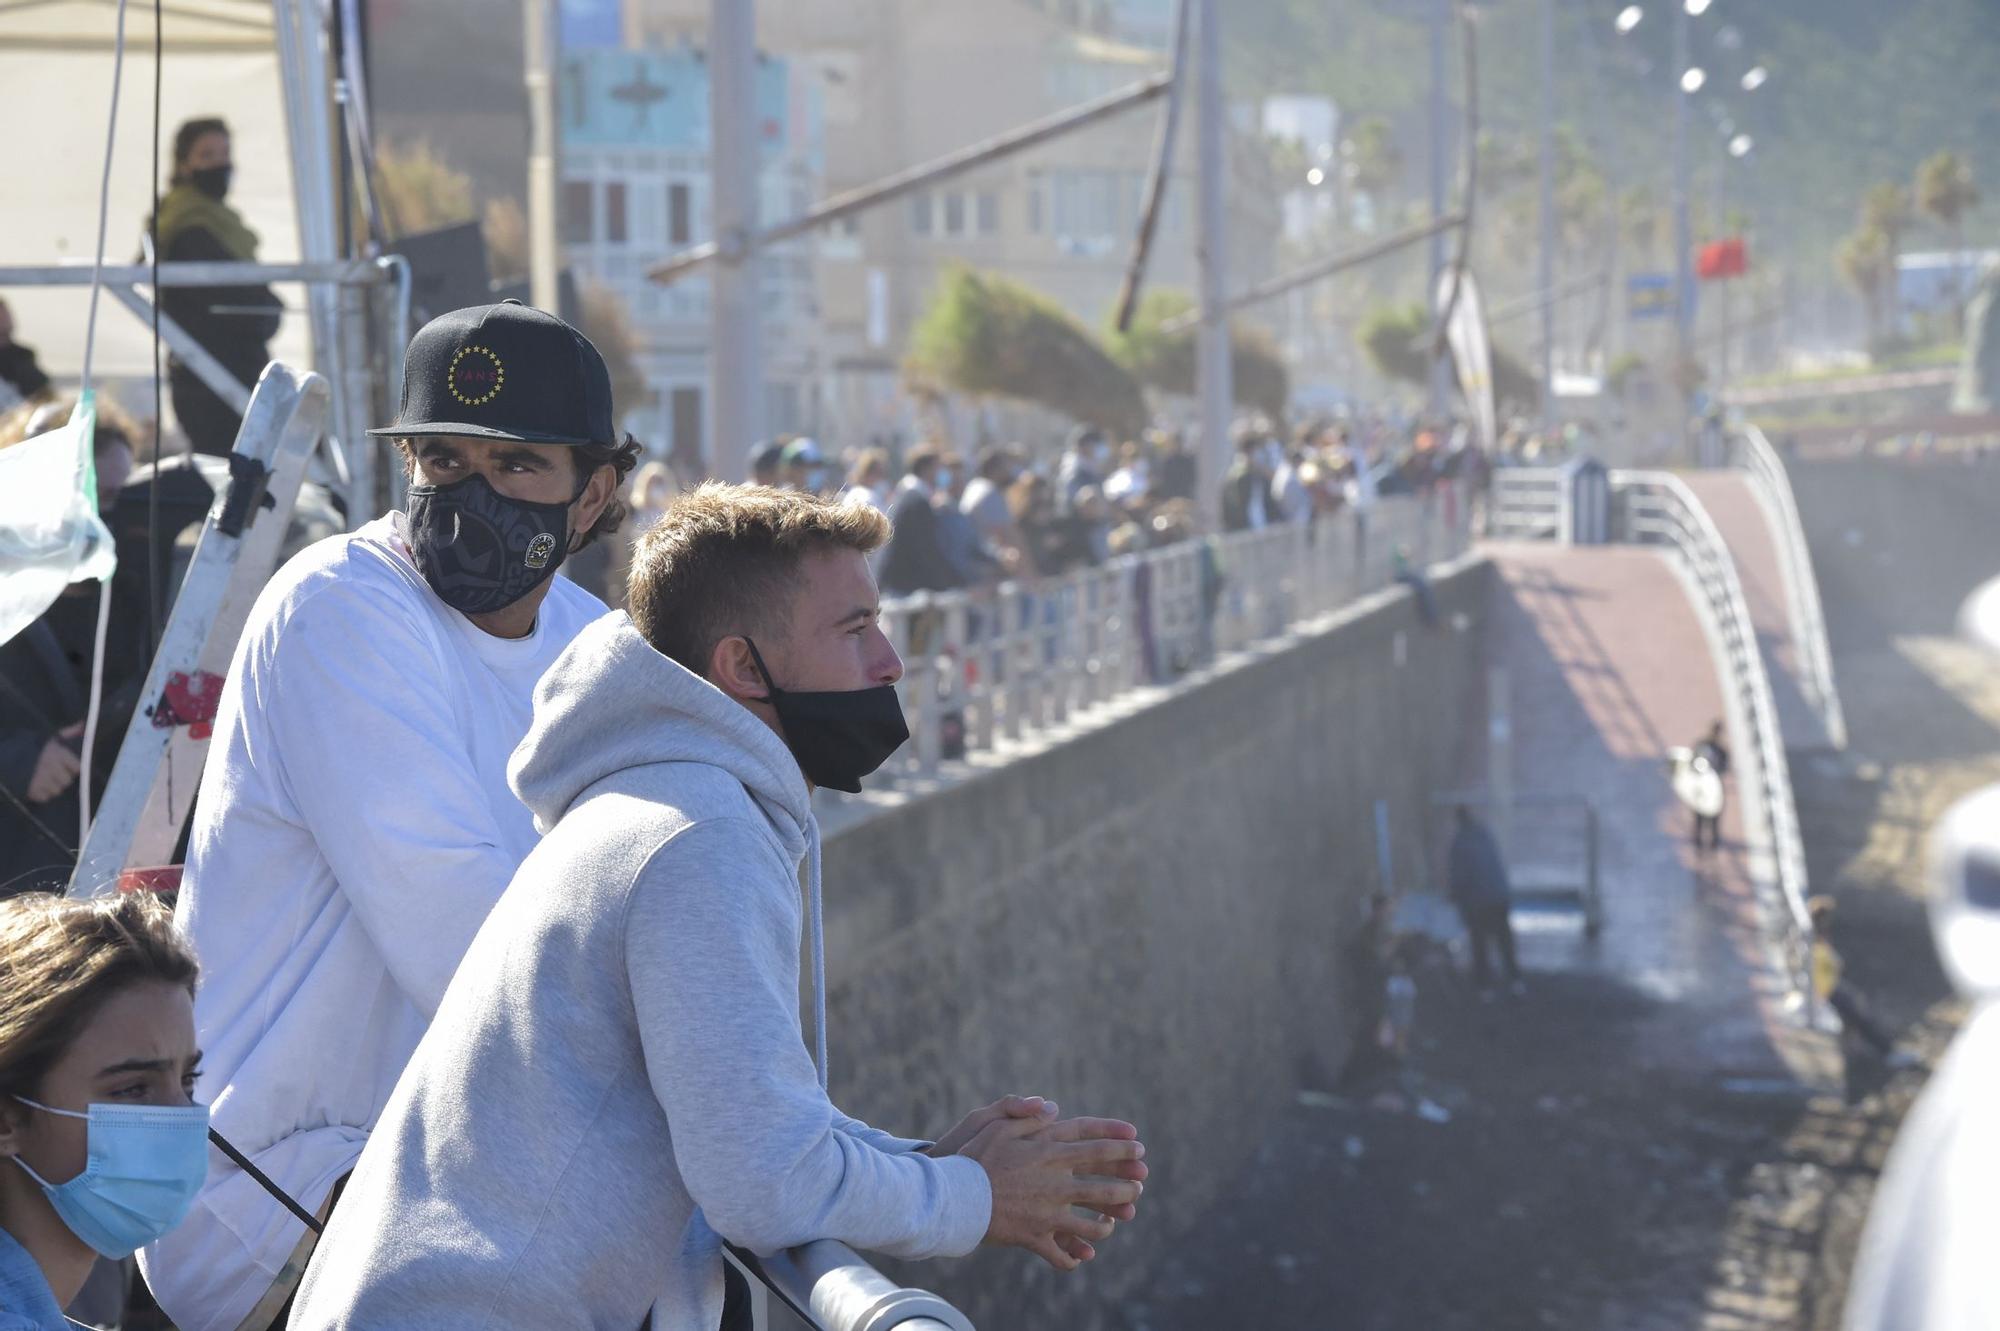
481, 551
212, 181
841, 737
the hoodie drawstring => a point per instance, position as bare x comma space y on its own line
818, 948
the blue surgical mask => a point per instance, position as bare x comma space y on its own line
146, 1163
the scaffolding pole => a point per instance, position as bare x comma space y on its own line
1212, 365
733, 370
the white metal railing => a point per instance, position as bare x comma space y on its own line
1526, 504
1660, 509
1769, 477
990, 671
825, 1286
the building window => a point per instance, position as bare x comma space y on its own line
988, 206
954, 213
577, 219
1037, 190
920, 214
614, 212
680, 219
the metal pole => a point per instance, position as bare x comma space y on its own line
1683, 227
1156, 183
538, 50
1499, 757
733, 168
1440, 386
1545, 267
1213, 367
307, 75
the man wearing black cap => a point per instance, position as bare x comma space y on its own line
355, 824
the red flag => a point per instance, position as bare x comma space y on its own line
1722, 259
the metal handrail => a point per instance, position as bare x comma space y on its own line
1767, 473
1660, 508
828, 1287
989, 671
1527, 503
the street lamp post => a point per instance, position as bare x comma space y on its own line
1545, 267
1683, 225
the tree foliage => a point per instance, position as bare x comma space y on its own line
419, 190
1946, 191
987, 336
1397, 338
1167, 361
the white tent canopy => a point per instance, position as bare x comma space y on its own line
219, 59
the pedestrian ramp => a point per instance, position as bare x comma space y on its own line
1602, 662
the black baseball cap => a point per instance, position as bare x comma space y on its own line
506, 371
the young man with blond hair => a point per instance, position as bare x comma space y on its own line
617, 1081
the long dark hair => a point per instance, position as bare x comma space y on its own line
189, 134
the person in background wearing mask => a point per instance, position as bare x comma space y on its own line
45, 683
234, 324
915, 559
971, 558
620, 1069
804, 467
354, 824
103, 1145
1086, 462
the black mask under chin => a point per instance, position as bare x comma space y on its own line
840, 737
478, 549
212, 181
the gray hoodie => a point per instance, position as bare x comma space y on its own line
617, 1078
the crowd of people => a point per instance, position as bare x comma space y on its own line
1013, 511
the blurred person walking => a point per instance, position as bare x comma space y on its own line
354, 825
234, 324
1484, 897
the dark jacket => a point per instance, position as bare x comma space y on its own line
916, 559
18, 367
1478, 874
45, 688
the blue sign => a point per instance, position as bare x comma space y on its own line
1650, 295
659, 99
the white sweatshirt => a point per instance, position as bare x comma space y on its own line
353, 830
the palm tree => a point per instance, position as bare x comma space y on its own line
1867, 259
1885, 210
1947, 192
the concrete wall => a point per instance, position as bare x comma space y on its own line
1146, 920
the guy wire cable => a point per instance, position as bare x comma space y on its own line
84, 776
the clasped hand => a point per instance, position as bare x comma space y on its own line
1059, 1185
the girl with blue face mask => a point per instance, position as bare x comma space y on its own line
102, 1147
